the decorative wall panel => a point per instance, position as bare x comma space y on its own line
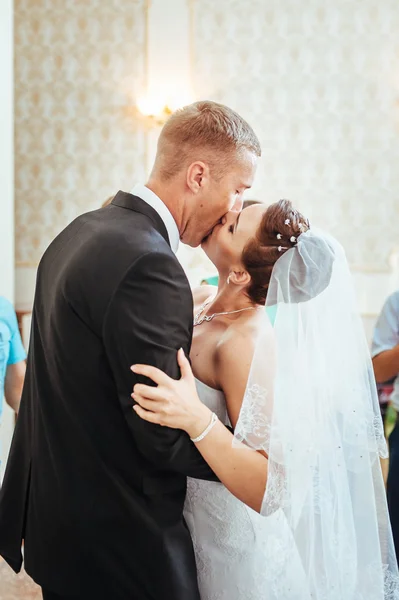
78, 66
319, 82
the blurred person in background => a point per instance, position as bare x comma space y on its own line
12, 357
107, 201
385, 353
247, 203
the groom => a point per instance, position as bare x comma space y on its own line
96, 493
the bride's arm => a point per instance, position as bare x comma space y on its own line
176, 404
242, 471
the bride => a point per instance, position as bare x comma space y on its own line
300, 512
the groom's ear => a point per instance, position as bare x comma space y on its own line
239, 277
197, 176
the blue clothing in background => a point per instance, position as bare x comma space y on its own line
11, 347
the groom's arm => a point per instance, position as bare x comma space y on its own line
149, 318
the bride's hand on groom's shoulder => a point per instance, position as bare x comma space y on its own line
173, 403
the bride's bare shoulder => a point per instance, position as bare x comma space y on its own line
203, 292
234, 345
233, 360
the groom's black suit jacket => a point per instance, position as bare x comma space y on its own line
96, 493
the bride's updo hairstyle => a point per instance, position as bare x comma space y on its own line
278, 231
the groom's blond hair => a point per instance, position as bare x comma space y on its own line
205, 131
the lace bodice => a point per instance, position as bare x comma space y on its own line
233, 544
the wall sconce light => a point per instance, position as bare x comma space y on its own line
157, 111
153, 111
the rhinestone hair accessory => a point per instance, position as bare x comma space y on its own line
293, 238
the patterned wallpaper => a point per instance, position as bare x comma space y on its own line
319, 82
77, 66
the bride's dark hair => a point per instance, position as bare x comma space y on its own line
278, 231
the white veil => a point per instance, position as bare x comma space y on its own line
311, 404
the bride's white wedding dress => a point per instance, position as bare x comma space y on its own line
234, 544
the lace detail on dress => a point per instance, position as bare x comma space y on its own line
378, 434
231, 544
253, 426
242, 555
276, 492
391, 583
229, 538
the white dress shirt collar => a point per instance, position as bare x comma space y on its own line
160, 207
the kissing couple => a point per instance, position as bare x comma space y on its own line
250, 472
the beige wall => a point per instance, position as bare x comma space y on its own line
6, 153
318, 81
78, 67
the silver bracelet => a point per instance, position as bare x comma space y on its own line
214, 420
